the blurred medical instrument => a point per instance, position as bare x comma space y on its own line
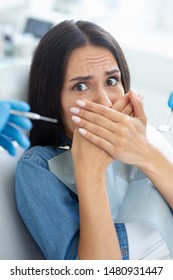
32, 116
166, 127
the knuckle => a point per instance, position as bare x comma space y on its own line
103, 110
96, 129
83, 123
124, 132
98, 141
94, 118
82, 113
120, 147
125, 119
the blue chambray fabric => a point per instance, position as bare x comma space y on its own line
50, 209
123, 240
132, 196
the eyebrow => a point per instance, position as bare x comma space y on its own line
81, 78
86, 78
113, 71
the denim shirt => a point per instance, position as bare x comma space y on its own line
132, 196
49, 209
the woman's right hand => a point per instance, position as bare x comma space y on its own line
96, 222
87, 156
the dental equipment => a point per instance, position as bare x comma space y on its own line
166, 127
32, 116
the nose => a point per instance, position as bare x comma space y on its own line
101, 97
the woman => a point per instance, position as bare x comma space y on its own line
90, 186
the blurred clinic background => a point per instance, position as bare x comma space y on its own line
144, 29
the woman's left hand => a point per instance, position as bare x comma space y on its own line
122, 136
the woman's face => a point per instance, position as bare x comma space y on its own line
92, 73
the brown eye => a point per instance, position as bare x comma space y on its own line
111, 82
80, 87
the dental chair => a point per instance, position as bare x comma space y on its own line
15, 241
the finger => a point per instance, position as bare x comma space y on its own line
138, 107
98, 141
109, 135
21, 122
4, 114
121, 103
93, 121
17, 135
7, 145
128, 109
87, 119
19, 105
141, 97
132, 114
98, 109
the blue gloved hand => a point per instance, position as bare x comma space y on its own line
170, 100
10, 126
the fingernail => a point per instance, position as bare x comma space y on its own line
81, 103
82, 131
76, 119
140, 96
74, 110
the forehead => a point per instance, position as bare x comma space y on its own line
90, 58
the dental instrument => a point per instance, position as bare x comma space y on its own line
32, 116
166, 127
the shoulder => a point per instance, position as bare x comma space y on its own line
40, 155
33, 170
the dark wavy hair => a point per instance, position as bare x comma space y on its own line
48, 71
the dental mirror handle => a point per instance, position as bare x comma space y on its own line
170, 101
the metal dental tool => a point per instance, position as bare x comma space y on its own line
32, 116
166, 127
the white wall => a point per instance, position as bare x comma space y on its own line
144, 30
151, 75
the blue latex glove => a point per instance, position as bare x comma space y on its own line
10, 126
170, 100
